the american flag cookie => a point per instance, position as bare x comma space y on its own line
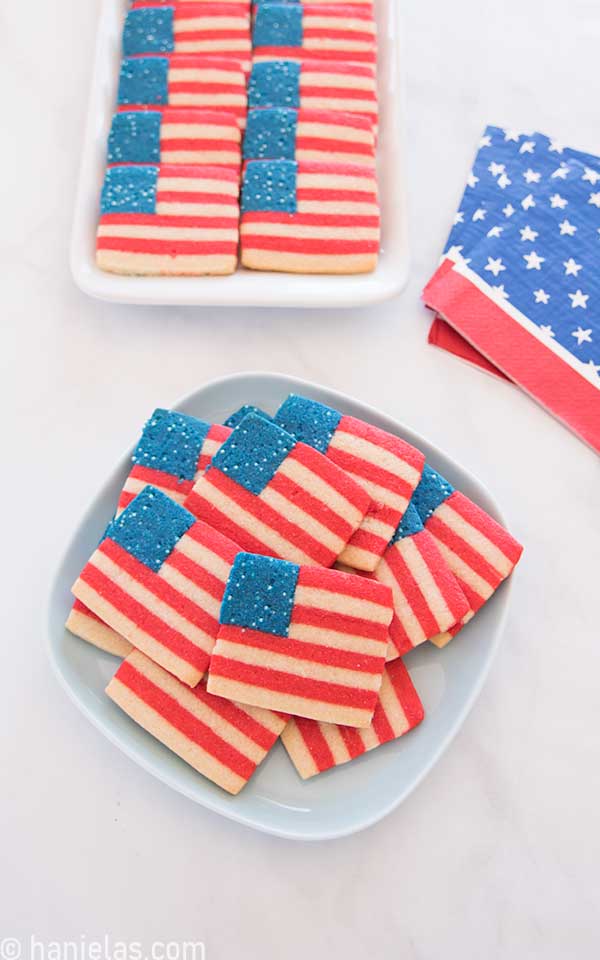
87, 626
223, 741
309, 217
211, 29
274, 133
387, 467
479, 552
168, 220
173, 135
314, 747
426, 595
157, 578
172, 452
297, 31
181, 81
274, 495
304, 640
315, 85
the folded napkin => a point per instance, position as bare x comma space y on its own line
519, 283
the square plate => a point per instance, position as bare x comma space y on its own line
245, 287
340, 801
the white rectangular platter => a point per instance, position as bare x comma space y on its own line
339, 801
245, 287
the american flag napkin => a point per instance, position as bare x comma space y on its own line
518, 279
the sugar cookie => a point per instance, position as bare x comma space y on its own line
172, 135
274, 495
223, 741
170, 220
387, 467
315, 85
314, 747
309, 217
480, 553
314, 32
158, 578
274, 133
300, 639
214, 29
427, 597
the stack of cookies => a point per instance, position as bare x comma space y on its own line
265, 577
175, 199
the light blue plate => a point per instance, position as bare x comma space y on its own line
276, 800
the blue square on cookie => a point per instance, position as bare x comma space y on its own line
431, 491
238, 415
260, 594
253, 453
271, 134
278, 25
308, 420
135, 137
149, 30
129, 190
144, 80
150, 527
274, 83
172, 442
270, 186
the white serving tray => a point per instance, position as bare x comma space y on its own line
339, 801
245, 287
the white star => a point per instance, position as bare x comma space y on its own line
567, 228
472, 180
557, 201
579, 299
485, 141
532, 176
533, 261
495, 231
500, 292
504, 181
561, 173
541, 296
480, 214
508, 211
592, 176
511, 135
594, 199
528, 146
456, 251
528, 202
495, 266
528, 234
496, 168
582, 336
459, 217
547, 329
555, 147
571, 267
594, 367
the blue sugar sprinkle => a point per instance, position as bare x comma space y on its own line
253, 453
149, 30
144, 80
274, 83
239, 415
129, 190
271, 134
432, 490
171, 442
135, 137
260, 594
408, 526
278, 25
270, 185
309, 421
150, 527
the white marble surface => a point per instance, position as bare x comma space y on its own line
496, 855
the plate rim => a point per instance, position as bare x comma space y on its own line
140, 757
